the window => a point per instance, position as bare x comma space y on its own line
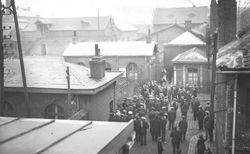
132, 71
192, 76
8, 109
248, 109
107, 67
111, 106
54, 111
43, 49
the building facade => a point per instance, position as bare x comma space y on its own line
50, 97
191, 68
232, 97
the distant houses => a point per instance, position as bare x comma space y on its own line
132, 57
92, 97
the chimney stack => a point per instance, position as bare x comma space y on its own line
149, 39
188, 25
97, 65
75, 38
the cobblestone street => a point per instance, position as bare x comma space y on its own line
187, 147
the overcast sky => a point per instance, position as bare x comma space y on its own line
123, 11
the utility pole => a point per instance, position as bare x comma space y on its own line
214, 53
68, 82
1, 61
26, 96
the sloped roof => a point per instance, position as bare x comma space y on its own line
126, 27
71, 136
49, 73
80, 23
131, 48
234, 55
186, 38
142, 28
179, 15
193, 55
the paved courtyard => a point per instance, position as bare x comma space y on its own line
187, 147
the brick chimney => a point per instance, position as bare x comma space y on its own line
75, 38
97, 65
188, 25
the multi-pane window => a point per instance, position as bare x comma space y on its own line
54, 111
192, 76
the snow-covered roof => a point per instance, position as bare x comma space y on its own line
193, 55
135, 48
49, 73
186, 38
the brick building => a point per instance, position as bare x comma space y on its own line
92, 91
191, 67
232, 96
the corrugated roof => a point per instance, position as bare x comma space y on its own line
49, 73
193, 55
179, 15
28, 136
186, 38
80, 23
135, 48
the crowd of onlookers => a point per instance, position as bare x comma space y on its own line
156, 106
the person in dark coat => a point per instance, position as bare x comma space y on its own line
183, 125
163, 127
143, 131
195, 107
201, 147
137, 128
200, 117
159, 146
157, 127
176, 139
171, 118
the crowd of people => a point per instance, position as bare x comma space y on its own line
156, 106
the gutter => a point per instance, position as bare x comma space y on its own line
63, 91
234, 113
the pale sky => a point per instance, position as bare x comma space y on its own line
123, 11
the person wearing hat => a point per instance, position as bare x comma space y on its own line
163, 127
171, 118
159, 146
176, 139
200, 117
183, 125
143, 131
201, 147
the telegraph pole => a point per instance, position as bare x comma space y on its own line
1, 61
68, 82
26, 96
214, 53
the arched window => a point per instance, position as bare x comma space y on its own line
107, 66
8, 109
54, 111
132, 71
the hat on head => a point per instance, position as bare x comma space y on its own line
130, 112
143, 118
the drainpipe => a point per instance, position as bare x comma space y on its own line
234, 113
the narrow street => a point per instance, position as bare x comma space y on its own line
187, 147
